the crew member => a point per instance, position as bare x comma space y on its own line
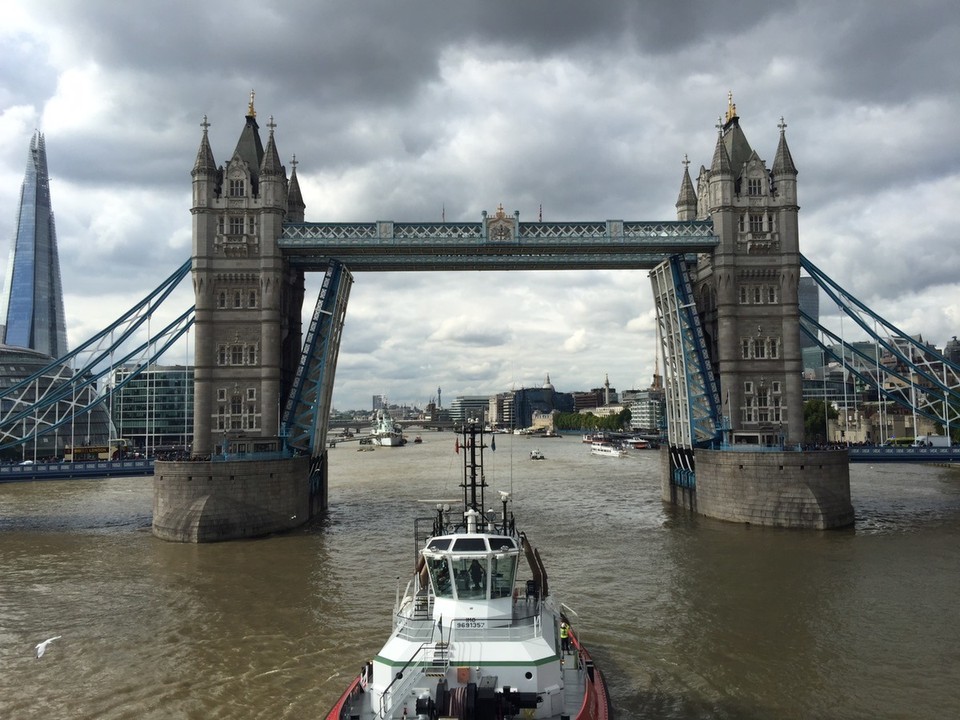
565, 636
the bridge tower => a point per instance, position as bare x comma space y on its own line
746, 291
248, 299
746, 300
248, 341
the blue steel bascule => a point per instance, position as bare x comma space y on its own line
724, 277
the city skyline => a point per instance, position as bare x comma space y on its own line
415, 113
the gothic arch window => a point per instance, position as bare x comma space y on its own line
236, 355
221, 299
754, 186
236, 299
252, 355
252, 299
237, 187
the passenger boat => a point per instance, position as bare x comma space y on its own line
536, 454
475, 635
607, 448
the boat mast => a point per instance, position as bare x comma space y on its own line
473, 466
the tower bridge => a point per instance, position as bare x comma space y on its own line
724, 273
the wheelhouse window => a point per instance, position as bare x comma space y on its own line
502, 573
470, 575
440, 577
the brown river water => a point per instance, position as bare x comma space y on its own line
686, 616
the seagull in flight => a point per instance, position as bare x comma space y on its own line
42, 647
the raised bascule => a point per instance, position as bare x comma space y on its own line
724, 275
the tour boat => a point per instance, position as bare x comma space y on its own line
607, 448
476, 636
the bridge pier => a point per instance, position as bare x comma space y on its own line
789, 489
207, 501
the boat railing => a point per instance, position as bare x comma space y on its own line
405, 679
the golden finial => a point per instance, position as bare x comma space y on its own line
250, 111
731, 107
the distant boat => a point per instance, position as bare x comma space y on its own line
638, 443
608, 449
536, 454
386, 433
417, 440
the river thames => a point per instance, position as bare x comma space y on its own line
686, 616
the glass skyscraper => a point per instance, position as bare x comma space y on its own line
31, 307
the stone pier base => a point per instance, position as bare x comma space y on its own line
212, 501
782, 489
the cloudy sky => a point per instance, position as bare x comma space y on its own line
397, 110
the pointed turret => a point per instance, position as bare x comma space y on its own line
687, 200
784, 172
295, 204
270, 165
205, 164
249, 146
783, 161
721, 159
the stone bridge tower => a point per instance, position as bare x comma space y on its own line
246, 359
746, 291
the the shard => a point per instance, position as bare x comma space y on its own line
31, 307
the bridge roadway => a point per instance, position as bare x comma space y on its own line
904, 455
498, 243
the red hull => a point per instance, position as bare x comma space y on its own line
353, 689
596, 702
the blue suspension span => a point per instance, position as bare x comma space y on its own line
61, 384
932, 388
39, 410
131, 316
897, 398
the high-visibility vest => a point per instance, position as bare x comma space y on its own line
564, 631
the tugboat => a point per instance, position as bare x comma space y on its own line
475, 636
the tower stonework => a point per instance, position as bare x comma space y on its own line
746, 291
241, 481
248, 299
